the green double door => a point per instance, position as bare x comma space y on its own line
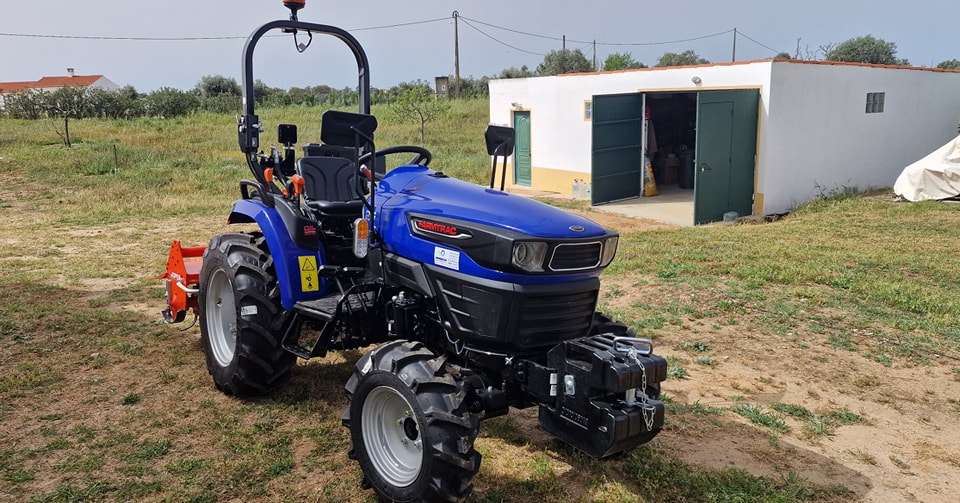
726, 149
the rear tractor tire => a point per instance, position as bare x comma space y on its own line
410, 425
241, 320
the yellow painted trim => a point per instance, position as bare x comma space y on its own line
585, 118
557, 180
696, 89
757, 195
510, 182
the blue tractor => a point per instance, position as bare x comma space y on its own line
478, 300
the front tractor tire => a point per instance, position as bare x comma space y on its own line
410, 425
241, 320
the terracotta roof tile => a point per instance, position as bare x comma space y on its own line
66, 81
777, 60
12, 87
50, 82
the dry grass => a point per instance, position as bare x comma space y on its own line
99, 401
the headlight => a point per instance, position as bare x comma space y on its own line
528, 255
609, 251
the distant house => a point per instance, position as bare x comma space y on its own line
56, 82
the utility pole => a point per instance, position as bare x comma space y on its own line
595, 57
734, 44
456, 50
564, 42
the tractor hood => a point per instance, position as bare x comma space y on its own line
431, 218
420, 190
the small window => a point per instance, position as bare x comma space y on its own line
875, 103
588, 110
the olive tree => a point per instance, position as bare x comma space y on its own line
866, 49
685, 58
419, 105
168, 102
950, 64
621, 61
564, 61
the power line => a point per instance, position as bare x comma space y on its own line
467, 20
187, 39
511, 30
665, 42
468, 23
400, 24
100, 37
744, 35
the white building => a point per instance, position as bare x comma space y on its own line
56, 82
757, 137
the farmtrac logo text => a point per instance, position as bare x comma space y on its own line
447, 230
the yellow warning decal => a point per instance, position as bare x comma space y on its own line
309, 282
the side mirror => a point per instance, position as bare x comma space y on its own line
499, 140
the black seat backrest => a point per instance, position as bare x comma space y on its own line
327, 150
330, 186
328, 178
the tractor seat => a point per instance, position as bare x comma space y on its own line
330, 186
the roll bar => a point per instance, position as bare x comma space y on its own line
249, 127
290, 26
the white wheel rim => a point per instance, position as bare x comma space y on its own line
221, 317
391, 435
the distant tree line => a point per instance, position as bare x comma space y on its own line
213, 93
219, 94
866, 49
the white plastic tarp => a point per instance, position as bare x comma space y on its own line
936, 176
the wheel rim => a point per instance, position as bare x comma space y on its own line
221, 317
391, 435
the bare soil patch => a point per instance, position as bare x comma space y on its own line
905, 450
134, 390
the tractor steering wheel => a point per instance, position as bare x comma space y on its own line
421, 155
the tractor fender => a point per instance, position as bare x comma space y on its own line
295, 263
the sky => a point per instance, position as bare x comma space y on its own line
924, 31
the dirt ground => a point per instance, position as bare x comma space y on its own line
908, 449
905, 450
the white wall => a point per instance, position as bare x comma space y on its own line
105, 84
561, 139
814, 134
820, 139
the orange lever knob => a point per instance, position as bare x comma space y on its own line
298, 184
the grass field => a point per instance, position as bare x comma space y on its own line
816, 358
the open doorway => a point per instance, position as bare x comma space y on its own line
672, 140
701, 146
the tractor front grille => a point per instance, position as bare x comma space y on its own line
576, 256
513, 318
549, 319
